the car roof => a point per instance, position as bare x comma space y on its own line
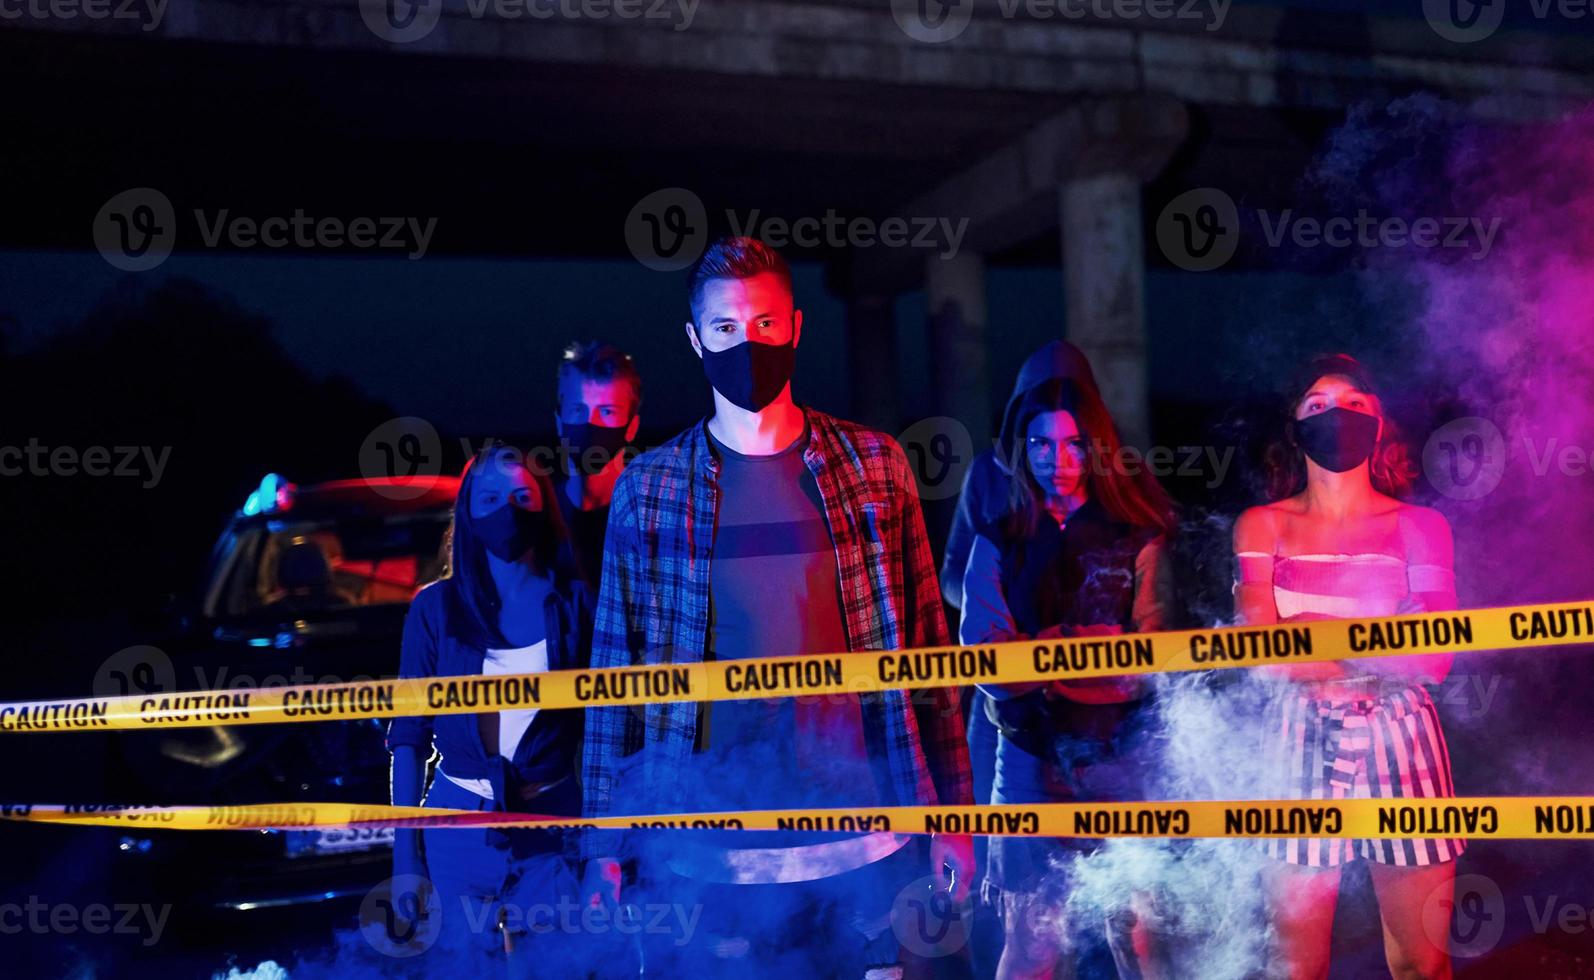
380, 497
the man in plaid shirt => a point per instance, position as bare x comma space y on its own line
770, 529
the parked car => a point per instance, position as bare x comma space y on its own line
305, 585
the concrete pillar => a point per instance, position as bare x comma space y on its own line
959, 365
1104, 282
872, 360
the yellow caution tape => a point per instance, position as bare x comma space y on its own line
1503, 628
1501, 817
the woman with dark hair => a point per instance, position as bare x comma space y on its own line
1076, 555
511, 602
1337, 543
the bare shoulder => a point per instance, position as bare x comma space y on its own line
1256, 529
1423, 522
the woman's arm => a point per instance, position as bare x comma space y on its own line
986, 616
409, 785
1255, 544
1430, 564
410, 739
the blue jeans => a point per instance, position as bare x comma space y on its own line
486, 889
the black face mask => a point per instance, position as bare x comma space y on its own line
592, 447
750, 374
509, 532
1339, 439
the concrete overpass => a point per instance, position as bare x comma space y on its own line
1045, 137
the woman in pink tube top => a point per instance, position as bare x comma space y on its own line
1334, 544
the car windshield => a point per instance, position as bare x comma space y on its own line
315, 566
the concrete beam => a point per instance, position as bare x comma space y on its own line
1010, 196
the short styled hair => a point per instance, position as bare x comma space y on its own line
596, 360
733, 257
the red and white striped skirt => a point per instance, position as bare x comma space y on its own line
1387, 747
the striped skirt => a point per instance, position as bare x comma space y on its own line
1387, 747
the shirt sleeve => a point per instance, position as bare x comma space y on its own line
610, 733
1153, 603
417, 658
986, 616
961, 537
939, 710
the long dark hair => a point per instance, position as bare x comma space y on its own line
470, 595
1138, 499
1390, 467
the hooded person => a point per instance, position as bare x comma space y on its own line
984, 500
987, 486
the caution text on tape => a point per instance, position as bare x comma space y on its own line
1503, 628
1503, 817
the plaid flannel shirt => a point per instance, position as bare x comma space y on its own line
653, 608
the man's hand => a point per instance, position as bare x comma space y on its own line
957, 852
600, 886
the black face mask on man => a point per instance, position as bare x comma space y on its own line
510, 531
592, 447
750, 374
1339, 439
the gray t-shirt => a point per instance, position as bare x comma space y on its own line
774, 592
